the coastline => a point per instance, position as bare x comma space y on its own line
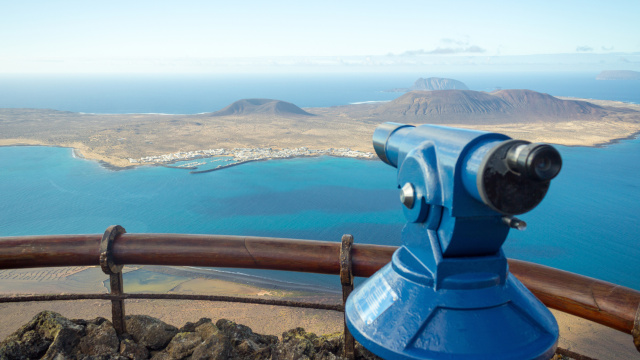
633, 136
122, 164
109, 165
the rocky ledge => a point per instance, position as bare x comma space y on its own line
51, 336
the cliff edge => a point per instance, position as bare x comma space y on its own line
51, 336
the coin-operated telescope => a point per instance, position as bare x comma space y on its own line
447, 293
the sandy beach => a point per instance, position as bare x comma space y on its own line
577, 334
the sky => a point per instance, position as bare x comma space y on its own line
207, 35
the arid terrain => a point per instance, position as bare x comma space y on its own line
260, 123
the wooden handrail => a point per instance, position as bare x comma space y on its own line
192, 250
599, 301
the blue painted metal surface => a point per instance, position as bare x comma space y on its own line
447, 293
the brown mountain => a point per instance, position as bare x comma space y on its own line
466, 106
531, 102
261, 107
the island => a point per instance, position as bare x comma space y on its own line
261, 106
260, 129
619, 75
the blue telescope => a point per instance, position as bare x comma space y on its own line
448, 293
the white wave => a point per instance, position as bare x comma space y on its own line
163, 114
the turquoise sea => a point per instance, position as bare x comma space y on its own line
588, 224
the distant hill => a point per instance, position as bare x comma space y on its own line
618, 75
261, 107
434, 83
466, 106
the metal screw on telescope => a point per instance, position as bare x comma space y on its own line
407, 195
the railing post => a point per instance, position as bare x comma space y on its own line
116, 285
346, 278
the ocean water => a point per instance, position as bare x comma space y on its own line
588, 223
47, 191
590, 219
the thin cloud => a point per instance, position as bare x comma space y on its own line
454, 41
584, 48
605, 48
626, 60
446, 51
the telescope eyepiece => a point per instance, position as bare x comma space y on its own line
537, 162
387, 152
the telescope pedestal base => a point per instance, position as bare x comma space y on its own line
398, 318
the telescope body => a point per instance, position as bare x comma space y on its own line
447, 293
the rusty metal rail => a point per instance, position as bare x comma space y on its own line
595, 300
65, 297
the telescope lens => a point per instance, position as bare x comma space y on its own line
542, 164
545, 162
538, 162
